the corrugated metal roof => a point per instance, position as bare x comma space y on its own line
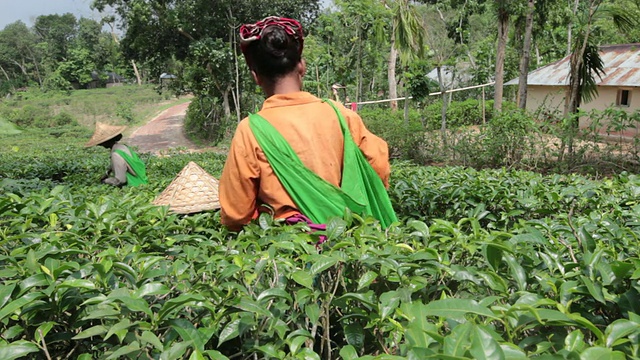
621, 68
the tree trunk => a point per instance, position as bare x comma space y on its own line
318, 81
135, 71
503, 33
391, 73
570, 26
526, 55
21, 66
225, 101
575, 91
406, 109
8, 79
359, 65
35, 64
443, 114
133, 63
236, 89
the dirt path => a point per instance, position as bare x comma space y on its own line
163, 132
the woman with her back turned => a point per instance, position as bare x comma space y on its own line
297, 157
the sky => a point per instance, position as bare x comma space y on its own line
28, 10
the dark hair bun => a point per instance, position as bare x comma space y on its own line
276, 41
275, 54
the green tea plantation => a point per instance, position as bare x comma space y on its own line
491, 264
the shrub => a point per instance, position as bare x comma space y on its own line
28, 116
405, 140
505, 141
509, 138
55, 81
205, 121
461, 113
62, 119
125, 111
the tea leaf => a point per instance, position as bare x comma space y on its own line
43, 330
619, 329
251, 306
18, 304
348, 353
456, 309
321, 263
303, 278
601, 353
173, 304
459, 341
127, 349
230, 331
5, 293
274, 293
150, 338
354, 335
335, 228
92, 331
484, 346
366, 279
17, 349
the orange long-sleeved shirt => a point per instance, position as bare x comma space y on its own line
313, 131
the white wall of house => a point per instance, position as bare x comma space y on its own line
552, 98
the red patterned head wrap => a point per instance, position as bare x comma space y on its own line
253, 32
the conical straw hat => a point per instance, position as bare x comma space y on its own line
192, 190
103, 133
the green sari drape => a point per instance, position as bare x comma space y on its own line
138, 167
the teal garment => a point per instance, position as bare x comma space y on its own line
138, 167
361, 190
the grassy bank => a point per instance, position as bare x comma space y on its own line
129, 105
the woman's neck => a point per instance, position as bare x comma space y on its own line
285, 85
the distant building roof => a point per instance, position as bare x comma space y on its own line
451, 76
621, 68
111, 77
167, 76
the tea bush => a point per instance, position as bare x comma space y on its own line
491, 264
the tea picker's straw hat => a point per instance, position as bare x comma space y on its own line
104, 132
192, 190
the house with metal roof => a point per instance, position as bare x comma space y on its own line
619, 85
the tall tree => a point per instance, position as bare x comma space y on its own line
161, 33
55, 33
442, 48
19, 56
526, 55
407, 36
503, 15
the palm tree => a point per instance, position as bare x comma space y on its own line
407, 37
585, 59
